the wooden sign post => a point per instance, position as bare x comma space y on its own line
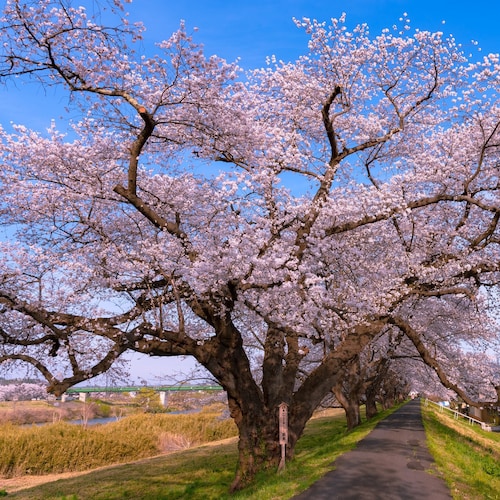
283, 432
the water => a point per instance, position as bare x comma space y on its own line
106, 420
94, 421
90, 421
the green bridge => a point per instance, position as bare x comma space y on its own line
158, 388
162, 390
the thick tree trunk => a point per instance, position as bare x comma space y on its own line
387, 402
353, 415
371, 405
258, 445
347, 390
350, 406
254, 408
372, 390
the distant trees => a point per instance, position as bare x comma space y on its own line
149, 400
302, 211
22, 391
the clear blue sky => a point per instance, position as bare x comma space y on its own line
254, 30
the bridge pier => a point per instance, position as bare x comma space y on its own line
82, 396
163, 397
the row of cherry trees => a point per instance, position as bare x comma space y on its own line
22, 391
293, 228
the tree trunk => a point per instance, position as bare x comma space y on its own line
350, 406
254, 408
347, 391
371, 405
387, 402
258, 444
352, 413
372, 390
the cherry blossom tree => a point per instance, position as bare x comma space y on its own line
196, 209
453, 340
369, 377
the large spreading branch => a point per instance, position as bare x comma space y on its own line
430, 360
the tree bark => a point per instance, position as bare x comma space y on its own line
350, 404
254, 408
258, 427
371, 405
258, 447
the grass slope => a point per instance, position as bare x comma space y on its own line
468, 457
64, 447
206, 472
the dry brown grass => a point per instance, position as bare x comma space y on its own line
171, 441
30, 412
64, 447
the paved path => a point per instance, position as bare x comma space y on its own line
391, 463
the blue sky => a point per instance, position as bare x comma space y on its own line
254, 30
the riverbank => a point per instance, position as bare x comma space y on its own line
62, 447
19, 483
205, 472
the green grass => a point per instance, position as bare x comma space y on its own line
466, 456
206, 472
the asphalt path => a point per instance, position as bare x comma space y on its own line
391, 463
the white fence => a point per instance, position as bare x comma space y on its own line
457, 415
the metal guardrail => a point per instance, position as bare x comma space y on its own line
457, 415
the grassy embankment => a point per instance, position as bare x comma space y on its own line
63, 447
467, 457
205, 472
